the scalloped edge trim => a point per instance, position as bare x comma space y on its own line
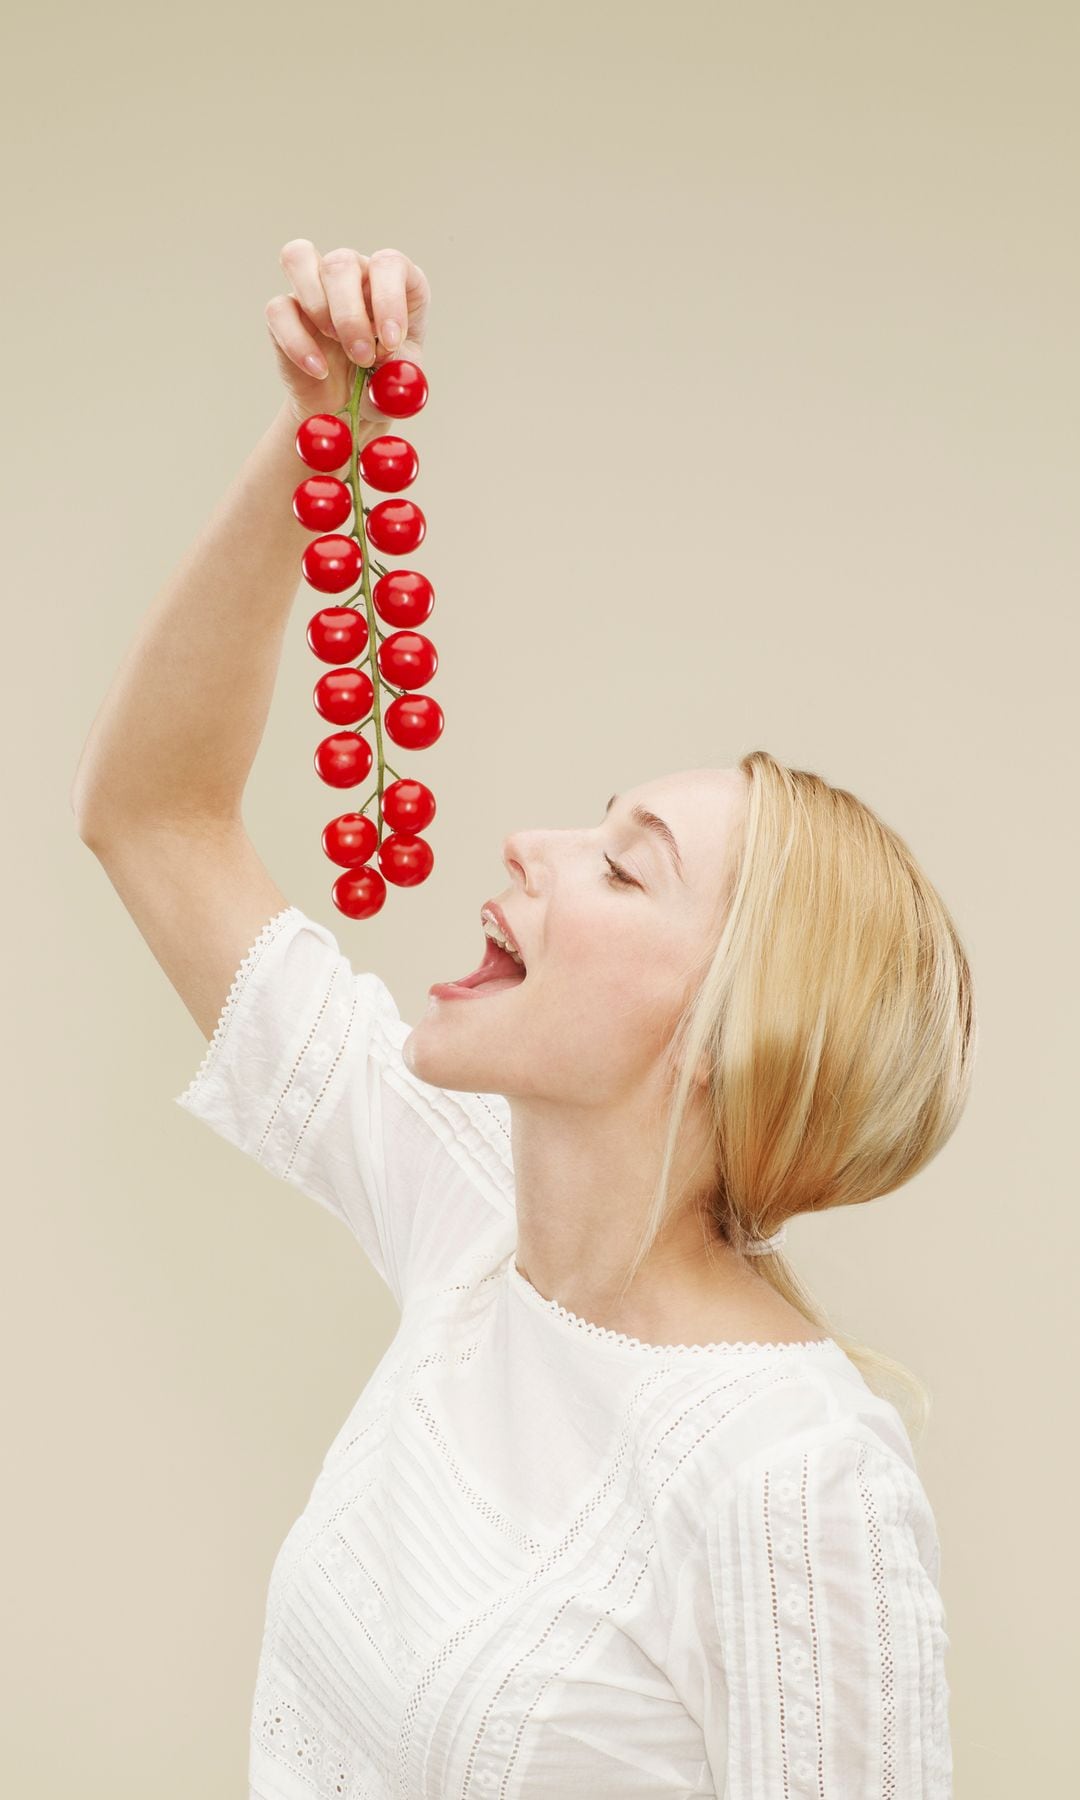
251, 956
607, 1336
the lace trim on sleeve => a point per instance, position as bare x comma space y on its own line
266, 936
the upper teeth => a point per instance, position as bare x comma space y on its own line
494, 930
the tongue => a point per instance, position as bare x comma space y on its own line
494, 982
498, 970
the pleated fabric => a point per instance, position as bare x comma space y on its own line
542, 1558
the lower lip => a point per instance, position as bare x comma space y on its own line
460, 990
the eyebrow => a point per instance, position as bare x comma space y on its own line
650, 822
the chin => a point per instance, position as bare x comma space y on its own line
428, 1064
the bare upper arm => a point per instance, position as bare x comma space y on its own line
199, 894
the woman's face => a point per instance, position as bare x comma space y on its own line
609, 963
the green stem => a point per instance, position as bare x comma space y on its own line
374, 634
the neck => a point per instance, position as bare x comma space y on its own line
584, 1180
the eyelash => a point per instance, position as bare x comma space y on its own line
619, 875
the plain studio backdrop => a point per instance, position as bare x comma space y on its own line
753, 421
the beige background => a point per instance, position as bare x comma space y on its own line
753, 421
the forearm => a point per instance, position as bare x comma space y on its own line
177, 732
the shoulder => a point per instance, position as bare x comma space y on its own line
838, 1474
790, 1414
826, 1466
792, 1396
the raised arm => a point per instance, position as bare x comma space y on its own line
158, 789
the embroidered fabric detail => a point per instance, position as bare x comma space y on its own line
608, 1336
296, 1744
884, 1626
314, 1066
830, 1625
269, 931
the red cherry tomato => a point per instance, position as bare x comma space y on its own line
389, 463
404, 597
344, 696
359, 893
406, 860
322, 502
408, 806
350, 839
396, 526
408, 659
331, 564
343, 758
338, 634
399, 388
414, 720
324, 442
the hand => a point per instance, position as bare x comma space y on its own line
337, 301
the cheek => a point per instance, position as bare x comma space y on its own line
603, 965
617, 983
599, 935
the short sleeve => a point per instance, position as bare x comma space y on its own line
824, 1631
304, 1073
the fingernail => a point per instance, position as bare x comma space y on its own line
390, 333
315, 365
362, 351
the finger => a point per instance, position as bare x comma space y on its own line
342, 274
389, 307
300, 261
290, 331
399, 295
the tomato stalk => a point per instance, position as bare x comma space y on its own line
374, 634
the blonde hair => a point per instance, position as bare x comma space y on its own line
837, 1025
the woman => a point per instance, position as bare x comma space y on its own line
616, 1514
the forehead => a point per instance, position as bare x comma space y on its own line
696, 795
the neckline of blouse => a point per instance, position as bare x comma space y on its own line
603, 1333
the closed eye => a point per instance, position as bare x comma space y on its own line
618, 875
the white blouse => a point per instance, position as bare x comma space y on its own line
543, 1560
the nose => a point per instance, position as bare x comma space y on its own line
517, 855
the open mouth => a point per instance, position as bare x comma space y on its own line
498, 971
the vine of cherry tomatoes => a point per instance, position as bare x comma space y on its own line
341, 635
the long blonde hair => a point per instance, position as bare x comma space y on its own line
836, 1022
